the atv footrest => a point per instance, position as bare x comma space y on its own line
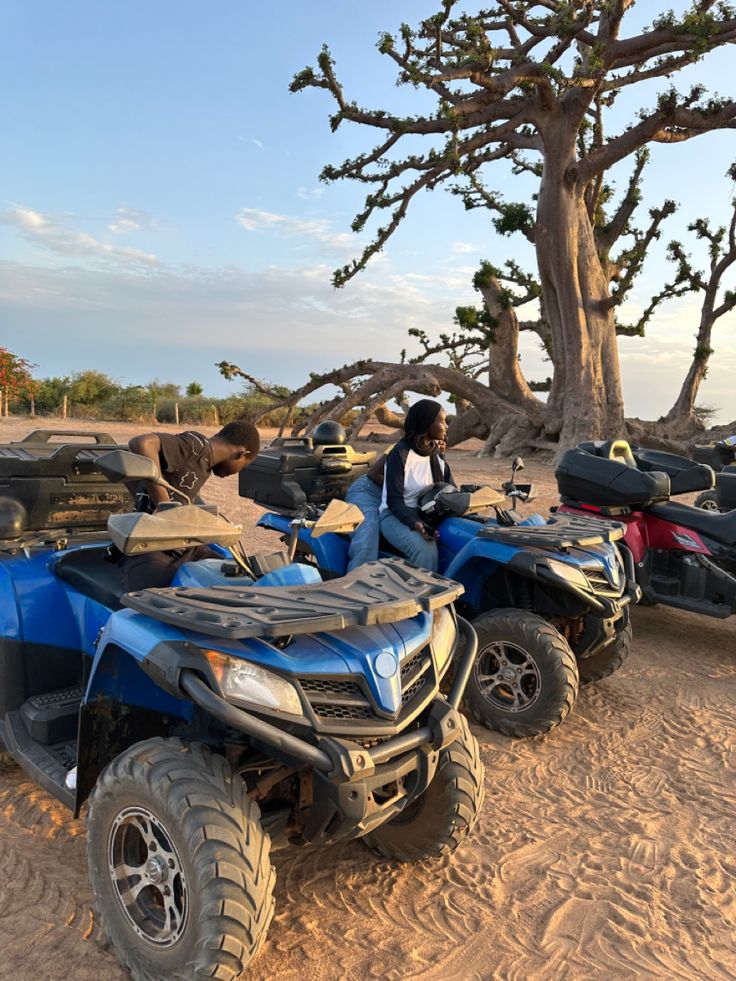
52, 717
47, 766
665, 585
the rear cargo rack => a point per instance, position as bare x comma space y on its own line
561, 531
384, 591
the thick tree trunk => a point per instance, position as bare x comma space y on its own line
467, 425
586, 391
682, 412
505, 376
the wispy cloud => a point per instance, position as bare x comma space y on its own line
128, 220
47, 232
285, 322
282, 322
316, 229
249, 139
309, 193
463, 248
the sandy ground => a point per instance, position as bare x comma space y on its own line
604, 850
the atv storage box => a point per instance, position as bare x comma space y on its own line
717, 455
293, 472
685, 475
726, 492
584, 478
56, 487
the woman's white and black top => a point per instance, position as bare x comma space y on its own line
408, 475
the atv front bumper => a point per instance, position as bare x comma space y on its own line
608, 608
356, 788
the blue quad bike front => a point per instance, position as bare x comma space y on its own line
549, 598
247, 707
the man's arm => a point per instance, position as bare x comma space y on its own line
149, 445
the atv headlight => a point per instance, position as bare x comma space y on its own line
249, 684
569, 572
444, 632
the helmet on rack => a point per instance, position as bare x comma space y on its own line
329, 433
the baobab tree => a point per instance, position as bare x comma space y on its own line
533, 83
716, 302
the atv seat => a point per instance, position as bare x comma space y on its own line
89, 571
590, 474
685, 475
722, 527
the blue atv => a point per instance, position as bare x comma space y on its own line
549, 599
246, 707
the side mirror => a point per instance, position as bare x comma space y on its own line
338, 518
122, 465
517, 464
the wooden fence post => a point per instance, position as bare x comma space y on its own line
64, 407
176, 413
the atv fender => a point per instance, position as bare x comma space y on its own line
122, 704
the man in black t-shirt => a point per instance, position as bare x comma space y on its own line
186, 461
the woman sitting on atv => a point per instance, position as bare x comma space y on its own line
412, 466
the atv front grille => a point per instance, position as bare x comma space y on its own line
597, 580
328, 686
329, 710
600, 584
409, 666
335, 701
408, 694
416, 673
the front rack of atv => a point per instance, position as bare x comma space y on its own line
384, 591
561, 531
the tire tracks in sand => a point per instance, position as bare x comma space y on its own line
604, 850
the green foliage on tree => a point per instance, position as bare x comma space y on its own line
16, 375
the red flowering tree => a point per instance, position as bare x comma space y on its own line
16, 378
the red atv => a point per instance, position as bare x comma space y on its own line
683, 556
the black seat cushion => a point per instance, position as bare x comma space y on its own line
89, 571
721, 527
685, 475
582, 476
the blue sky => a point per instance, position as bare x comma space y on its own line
160, 208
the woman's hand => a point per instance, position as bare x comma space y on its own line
427, 533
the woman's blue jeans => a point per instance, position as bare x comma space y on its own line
410, 542
364, 540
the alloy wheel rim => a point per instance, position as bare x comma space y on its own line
508, 677
147, 876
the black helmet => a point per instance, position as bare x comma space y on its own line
440, 500
329, 433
